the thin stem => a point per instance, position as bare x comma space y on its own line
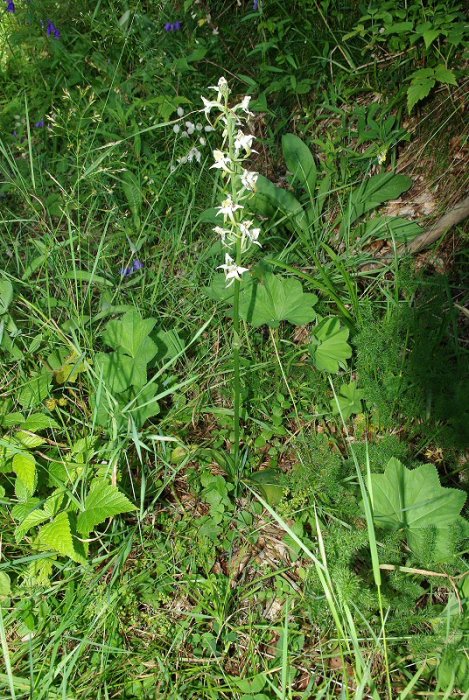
236, 367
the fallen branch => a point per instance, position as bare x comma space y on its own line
457, 214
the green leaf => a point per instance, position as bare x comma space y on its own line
24, 466
130, 333
418, 91
57, 537
270, 200
444, 75
35, 390
120, 371
349, 401
145, 406
329, 347
413, 500
429, 37
169, 344
39, 421
5, 585
28, 439
6, 295
395, 228
300, 162
277, 299
102, 502
36, 517
373, 192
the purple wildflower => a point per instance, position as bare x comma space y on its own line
173, 26
255, 5
40, 124
135, 267
10, 6
52, 29
15, 133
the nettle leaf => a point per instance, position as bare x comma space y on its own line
276, 299
413, 500
102, 502
24, 466
349, 400
130, 333
300, 162
329, 347
444, 75
57, 537
418, 90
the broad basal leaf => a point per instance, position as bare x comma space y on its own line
270, 200
277, 299
102, 502
130, 333
373, 192
413, 500
300, 162
329, 347
6, 295
57, 537
38, 421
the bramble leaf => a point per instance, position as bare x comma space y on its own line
24, 466
57, 537
102, 502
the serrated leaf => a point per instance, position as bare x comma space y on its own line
57, 537
21, 510
24, 466
130, 333
12, 419
277, 299
329, 347
39, 421
444, 75
429, 37
300, 162
413, 500
35, 390
418, 91
28, 439
36, 517
349, 401
102, 502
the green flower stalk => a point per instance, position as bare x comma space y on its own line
237, 234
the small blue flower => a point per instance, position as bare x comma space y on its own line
135, 267
10, 6
52, 30
172, 26
40, 124
255, 5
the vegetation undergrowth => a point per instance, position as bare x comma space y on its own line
233, 415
